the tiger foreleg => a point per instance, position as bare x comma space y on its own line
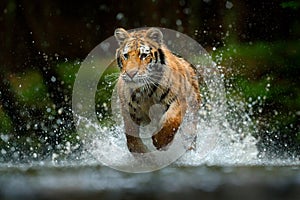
134, 142
136, 145
171, 122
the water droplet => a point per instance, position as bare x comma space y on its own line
178, 22
58, 121
120, 16
53, 79
5, 138
3, 152
187, 11
229, 4
54, 157
60, 111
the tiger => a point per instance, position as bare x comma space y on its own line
150, 74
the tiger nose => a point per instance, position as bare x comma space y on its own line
131, 73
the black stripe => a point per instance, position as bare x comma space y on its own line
176, 54
193, 67
167, 107
133, 97
135, 118
132, 107
190, 65
156, 57
153, 89
164, 95
119, 61
161, 57
169, 103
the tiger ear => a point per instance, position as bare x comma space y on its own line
155, 34
121, 35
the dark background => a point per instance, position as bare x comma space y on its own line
43, 42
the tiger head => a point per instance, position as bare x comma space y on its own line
140, 56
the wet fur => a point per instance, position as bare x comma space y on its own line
151, 74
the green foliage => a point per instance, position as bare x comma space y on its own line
67, 72
254, 89
5, 123
104, 93
268, 73
11, 6
30, 88
290, 4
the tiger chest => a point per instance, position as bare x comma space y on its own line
144, 106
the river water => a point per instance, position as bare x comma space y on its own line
228, 166
94, 181
226, 163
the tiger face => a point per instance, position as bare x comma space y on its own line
140, 57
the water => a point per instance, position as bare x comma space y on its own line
230, 169
92, 181
224, 130
225, 163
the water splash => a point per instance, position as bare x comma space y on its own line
225, 135
229, 122
224, 122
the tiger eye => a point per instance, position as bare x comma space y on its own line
125, 55
143, 56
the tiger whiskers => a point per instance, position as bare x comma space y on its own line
147, 84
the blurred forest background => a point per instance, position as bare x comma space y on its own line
42, 44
